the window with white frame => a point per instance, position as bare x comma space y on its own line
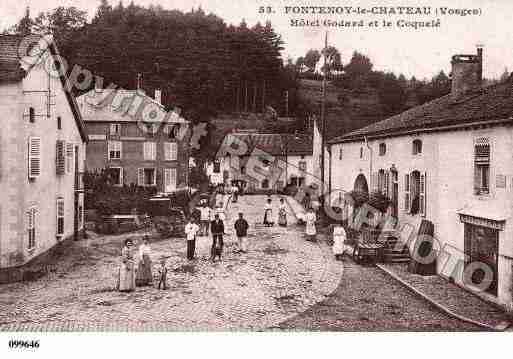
417, 147
60, 216
170, 131
170, 151
482, 166
31, 227
115, 176
150, 151
415, 193
115, 150
382, 149
115, 129
147, 177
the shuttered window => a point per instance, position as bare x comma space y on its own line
482, 166
60, 216
34, 157
60, 157
170, 151
31, 227
150, 151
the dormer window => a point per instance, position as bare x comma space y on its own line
417, 147
382, 149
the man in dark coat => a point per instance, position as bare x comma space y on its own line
241, 229
217, 229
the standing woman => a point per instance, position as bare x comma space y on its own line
126, 278
268, 212
339, 237
282, 214
144, 275
310, 219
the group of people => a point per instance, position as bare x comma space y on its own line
268, 213
136, 267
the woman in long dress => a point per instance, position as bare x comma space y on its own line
268, 212
310, 219
282, 214
339, 237
144, 274
126, 278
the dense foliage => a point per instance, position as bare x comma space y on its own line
201, 64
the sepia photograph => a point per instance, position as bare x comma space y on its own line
206, 172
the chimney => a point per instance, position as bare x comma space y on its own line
158, 95
467, 73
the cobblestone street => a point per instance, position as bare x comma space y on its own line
283, 282
281, 276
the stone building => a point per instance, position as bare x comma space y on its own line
133, 137
447, 161
42, 154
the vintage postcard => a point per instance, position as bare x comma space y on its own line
248, 166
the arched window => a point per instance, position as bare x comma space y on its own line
417, 147
382, 149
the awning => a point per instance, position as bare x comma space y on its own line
485, 213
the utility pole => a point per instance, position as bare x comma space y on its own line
323, 112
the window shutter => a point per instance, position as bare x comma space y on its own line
60, 159
112, 129
407, 192
121, 180
69, 157
174, 151
387, 183
167, 151
34, 157
31, 227
422, 195
153, 150
140, 176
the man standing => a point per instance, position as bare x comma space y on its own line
191, 229
204, 218
241, 228
217, 229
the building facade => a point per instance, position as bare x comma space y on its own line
134, 145
42, 155
264, 161
447, 161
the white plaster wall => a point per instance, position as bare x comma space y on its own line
447, 160
43, 191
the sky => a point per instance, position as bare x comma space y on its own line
421, 53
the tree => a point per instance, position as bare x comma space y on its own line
505, 75
333, 60
311, 59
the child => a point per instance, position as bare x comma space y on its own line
162, 274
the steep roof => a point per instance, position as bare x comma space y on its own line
120, 102
277, 144
13, 48
486, 105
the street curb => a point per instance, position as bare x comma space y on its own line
439, 305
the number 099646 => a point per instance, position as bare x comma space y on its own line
23, 344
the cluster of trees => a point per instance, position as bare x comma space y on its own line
396, 93
202, 64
